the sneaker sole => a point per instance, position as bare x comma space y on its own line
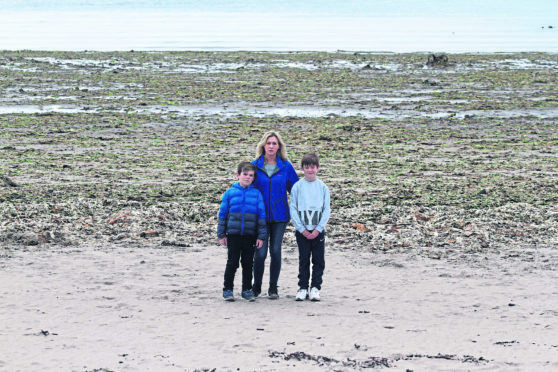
228, 299
249, 299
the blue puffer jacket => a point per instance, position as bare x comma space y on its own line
274, 189
242, 212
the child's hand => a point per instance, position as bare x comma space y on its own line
259, 243
310, 235
223, 241
314, 234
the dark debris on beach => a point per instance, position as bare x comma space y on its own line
370, 362
136, 148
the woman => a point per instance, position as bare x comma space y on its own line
276, 176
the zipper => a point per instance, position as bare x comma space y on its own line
269, 198
268, 209
243, 210
268, 206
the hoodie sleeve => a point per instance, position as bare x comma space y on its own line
325, 211
299, 226
223, 213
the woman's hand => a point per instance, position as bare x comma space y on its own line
223, 241
259, 243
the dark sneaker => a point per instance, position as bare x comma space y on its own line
272, 292
248, 295
257, 290
228, 295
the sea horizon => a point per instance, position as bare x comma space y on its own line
407, 26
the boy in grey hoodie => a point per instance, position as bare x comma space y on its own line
309, 209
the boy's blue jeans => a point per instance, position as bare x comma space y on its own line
314, 250
275, 232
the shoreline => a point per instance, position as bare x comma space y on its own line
286, 51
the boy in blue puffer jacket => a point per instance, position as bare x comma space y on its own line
241, 229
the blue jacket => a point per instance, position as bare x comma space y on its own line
242, 212
274, 189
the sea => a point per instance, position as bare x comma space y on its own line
484, 26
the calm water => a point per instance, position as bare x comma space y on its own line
382, 25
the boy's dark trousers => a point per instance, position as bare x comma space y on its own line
314, 248
239, 247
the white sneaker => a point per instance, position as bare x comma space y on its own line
301, 295
314, 294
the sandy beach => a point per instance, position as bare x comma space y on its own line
442, 247
126, 309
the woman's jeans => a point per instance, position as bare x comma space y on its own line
275, 231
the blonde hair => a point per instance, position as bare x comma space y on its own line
260, 148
